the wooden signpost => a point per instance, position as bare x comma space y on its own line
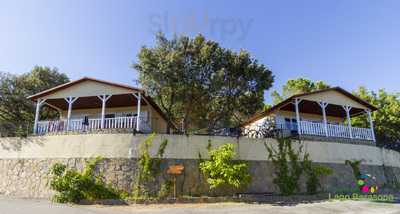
175, 170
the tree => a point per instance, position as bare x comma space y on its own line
297, 86
16, 111
386, 118
200, 84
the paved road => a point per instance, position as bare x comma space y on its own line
22, 206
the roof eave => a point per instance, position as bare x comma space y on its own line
65, 85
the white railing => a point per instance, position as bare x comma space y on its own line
75, 125
312, 128
362, 133
338, 131
120, 123
341, 131
94, 124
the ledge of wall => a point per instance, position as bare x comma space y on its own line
180, 147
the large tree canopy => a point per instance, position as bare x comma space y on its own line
297, 86
16, 111
200, 84
386, 118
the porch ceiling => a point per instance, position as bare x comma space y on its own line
120, 100
311, 107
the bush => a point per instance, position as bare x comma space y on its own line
355, 166
7, 129
221, 170
73, 186
314, 173
148, 169
165, 189
288, 165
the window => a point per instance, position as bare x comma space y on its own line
288, 124
294, 124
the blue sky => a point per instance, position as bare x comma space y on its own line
345, 43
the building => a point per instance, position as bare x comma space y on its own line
89, 104
322, 113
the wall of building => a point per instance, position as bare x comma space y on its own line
308, 117
96, 112
86, 89
24, 163
333, 97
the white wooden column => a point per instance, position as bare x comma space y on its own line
103, 99
150, 116
323, 107
296, 104
347, 109
371, 124
39, 103
70, 101
139, 98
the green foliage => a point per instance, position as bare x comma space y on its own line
148, 167
16, 111
355, 165
386, 118
291, 164
200, 84
221, 170
73, 186
267, 107
165, 189
314, 172
288, 165
297, 86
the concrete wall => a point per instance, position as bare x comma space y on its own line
181, 147
24, 163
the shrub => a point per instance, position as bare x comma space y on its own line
355, 166
221, 170
165, 189
7, 129
148, 168
314, 173
288, 165
73, 186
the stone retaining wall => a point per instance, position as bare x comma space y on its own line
29, 177
24, 163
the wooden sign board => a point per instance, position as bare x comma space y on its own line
175, 169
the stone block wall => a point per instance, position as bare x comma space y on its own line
25, 163
29, 177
